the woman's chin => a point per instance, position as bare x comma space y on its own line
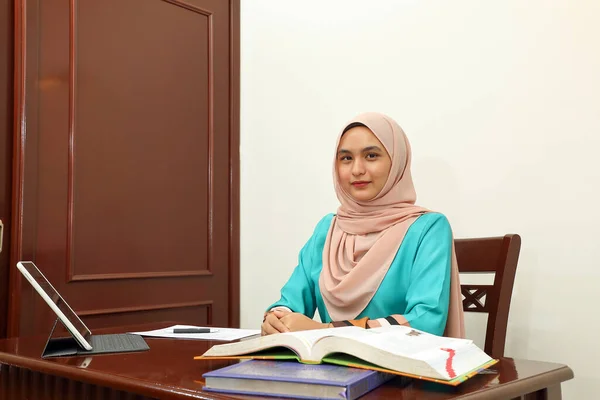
362, 196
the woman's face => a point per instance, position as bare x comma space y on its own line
362, 163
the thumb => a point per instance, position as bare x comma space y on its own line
280, 313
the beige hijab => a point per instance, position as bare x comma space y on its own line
364, 237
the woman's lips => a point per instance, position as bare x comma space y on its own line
360, 184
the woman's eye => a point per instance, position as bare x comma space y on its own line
345, 158
372, 155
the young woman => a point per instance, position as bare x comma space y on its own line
381, 260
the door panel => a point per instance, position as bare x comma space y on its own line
125, 198
6, 150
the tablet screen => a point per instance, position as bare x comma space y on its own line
43, 283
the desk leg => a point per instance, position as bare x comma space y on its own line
550, 393
554, 392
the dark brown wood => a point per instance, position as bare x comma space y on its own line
234, 158
499, 255
168, 371
6, 149
126, 181
17, 238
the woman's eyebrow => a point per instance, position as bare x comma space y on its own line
365, 150
371, 148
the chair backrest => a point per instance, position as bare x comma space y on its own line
486, 255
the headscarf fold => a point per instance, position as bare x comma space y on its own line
365, 236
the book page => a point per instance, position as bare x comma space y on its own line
405, 349
309, 338
300, 342
260, 343
401, 340
453, 362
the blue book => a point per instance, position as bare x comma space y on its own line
293, 379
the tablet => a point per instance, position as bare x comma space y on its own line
67, 316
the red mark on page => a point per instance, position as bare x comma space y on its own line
449, 368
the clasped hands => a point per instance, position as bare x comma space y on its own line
280, 321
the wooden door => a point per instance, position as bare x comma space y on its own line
125, 174
6, 97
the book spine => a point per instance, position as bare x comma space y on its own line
366, 385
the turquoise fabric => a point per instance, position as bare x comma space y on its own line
416, 286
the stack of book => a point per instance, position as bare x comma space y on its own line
293, 379
380, 352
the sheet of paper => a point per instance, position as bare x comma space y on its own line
225, 334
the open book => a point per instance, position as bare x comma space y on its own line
396, 349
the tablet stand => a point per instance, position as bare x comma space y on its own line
61, 346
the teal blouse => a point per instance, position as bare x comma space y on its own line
416, 286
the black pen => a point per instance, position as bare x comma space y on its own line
191, 330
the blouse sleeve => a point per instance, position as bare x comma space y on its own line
428, 293
298, 294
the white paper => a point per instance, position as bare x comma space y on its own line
225, 334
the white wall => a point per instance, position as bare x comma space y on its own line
501, 102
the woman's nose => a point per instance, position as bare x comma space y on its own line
358, 168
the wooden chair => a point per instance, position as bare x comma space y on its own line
485, 255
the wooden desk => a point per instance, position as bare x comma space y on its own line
168, 371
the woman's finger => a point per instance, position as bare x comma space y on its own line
276, 323
267, 329
280, 313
